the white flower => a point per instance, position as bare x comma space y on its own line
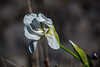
38, 26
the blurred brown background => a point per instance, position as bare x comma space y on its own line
76, 20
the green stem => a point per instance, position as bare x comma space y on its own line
70, 52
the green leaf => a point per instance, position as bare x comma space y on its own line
81, 53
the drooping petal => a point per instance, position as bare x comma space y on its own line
28, 18
32, 46
29, 34
42, 19
52, 41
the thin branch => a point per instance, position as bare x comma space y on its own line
29, 6
47, 59
80, 65
37, 56
10, 62
71, 61
46, 63
41, 51
34, 63
3, 62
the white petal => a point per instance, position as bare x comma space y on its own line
48, 23
41, 18
29, 35
32, 46
28, 18
52, 40
34, 31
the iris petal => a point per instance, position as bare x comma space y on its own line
32, 46
34, 31
42, 19
52, 40
29, 35
28, 18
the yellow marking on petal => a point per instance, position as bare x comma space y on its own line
39, 29
49, 31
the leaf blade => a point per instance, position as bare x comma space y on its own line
81, 53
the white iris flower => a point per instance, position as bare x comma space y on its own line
38, 26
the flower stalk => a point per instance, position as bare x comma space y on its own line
73, 54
